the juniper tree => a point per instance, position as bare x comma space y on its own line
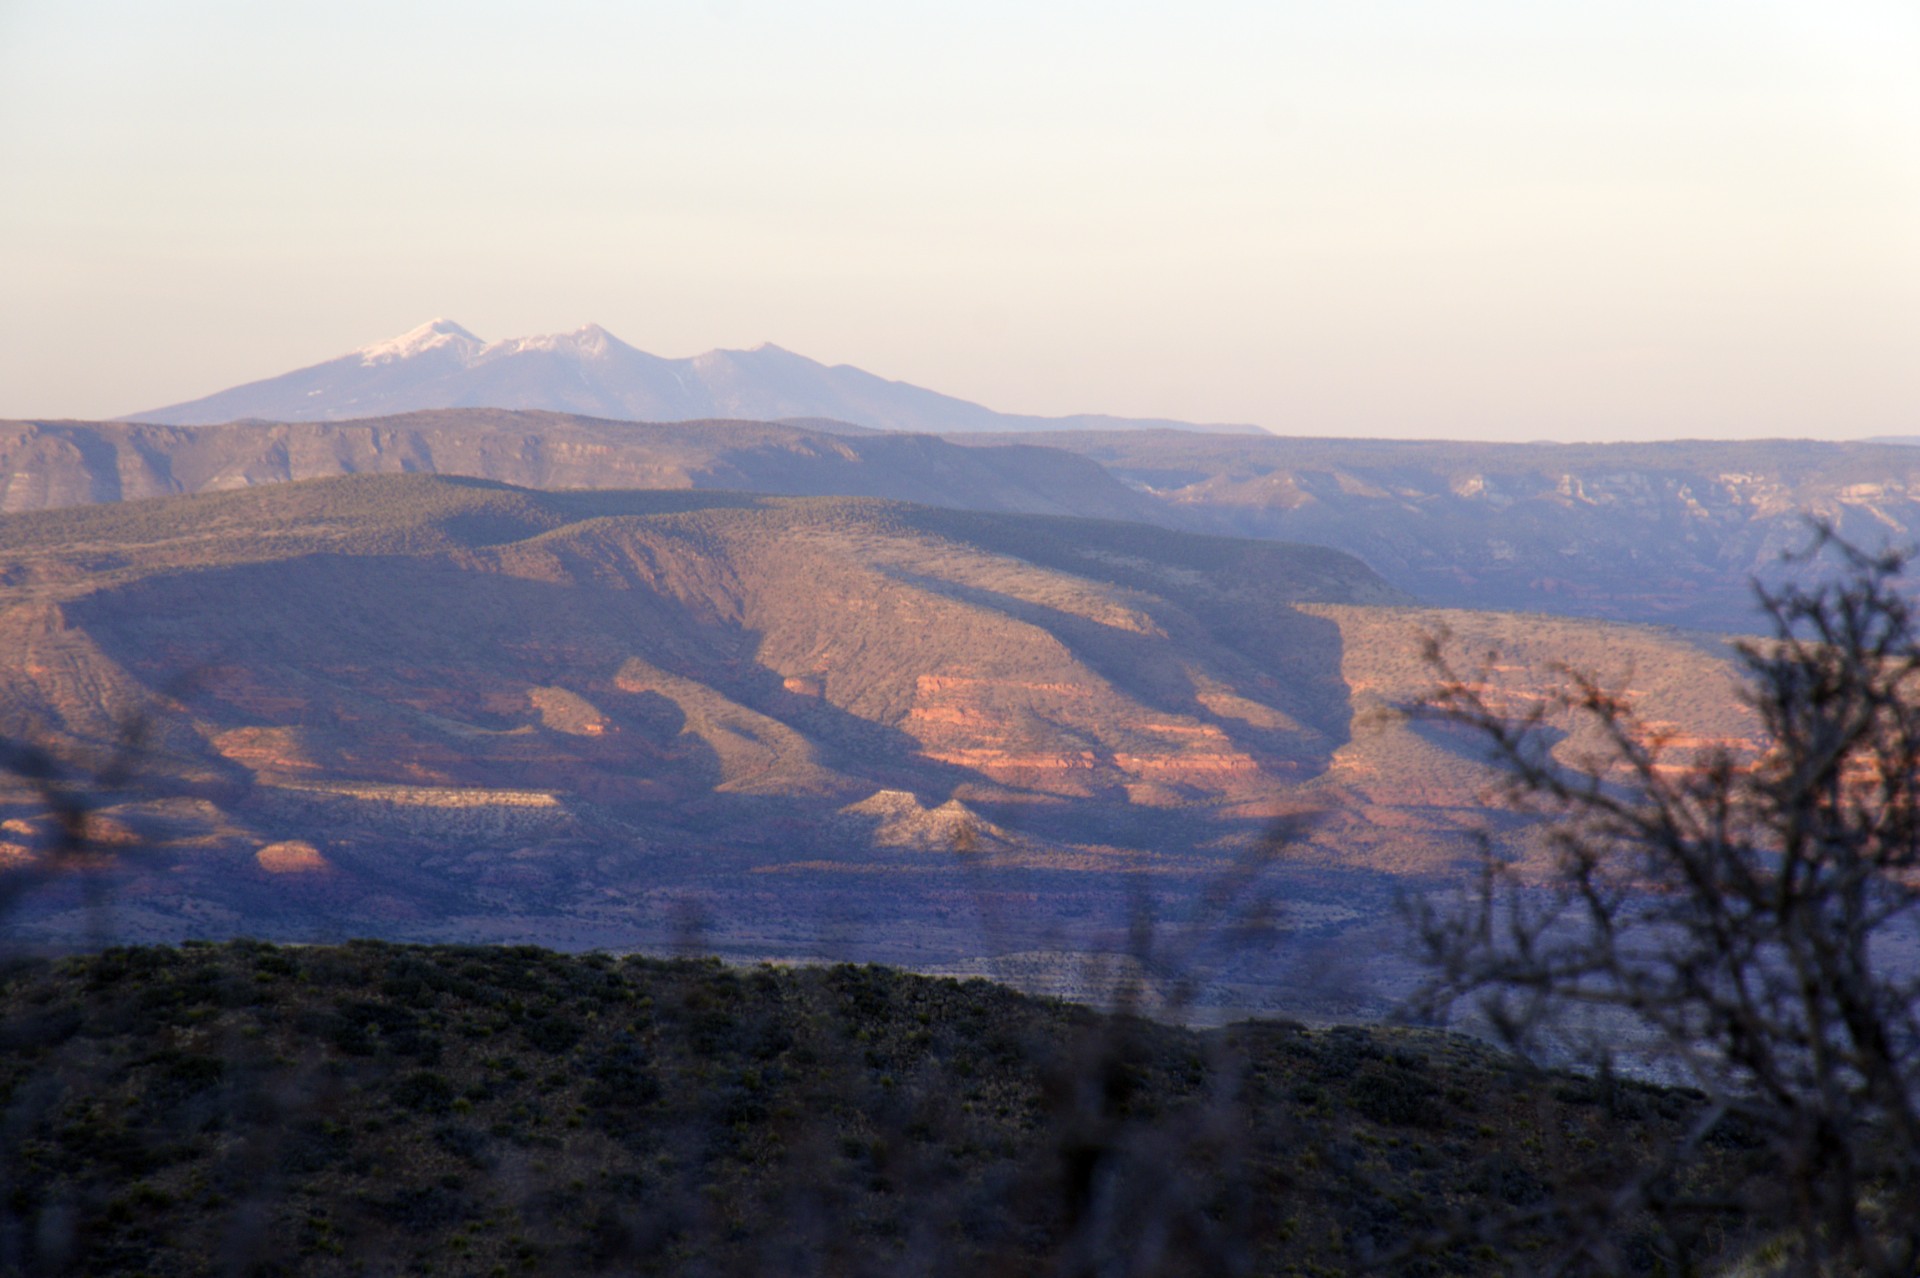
1745, 921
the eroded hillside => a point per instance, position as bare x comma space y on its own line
435, 708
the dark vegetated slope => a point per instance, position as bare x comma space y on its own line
246, 1108
52, 464
441, 708
1670, 532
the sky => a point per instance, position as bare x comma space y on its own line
1528, 220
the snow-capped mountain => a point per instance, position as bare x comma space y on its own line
591, 372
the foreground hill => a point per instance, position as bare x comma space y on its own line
372, 1108
1665, 532
590, 371
46, 465
450, 709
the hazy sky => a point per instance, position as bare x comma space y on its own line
1519, 220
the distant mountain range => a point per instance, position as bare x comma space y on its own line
591, 372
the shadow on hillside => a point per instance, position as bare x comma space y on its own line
1137, 665
405, 673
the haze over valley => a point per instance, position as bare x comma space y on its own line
998, 639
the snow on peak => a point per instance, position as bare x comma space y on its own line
592, 339
589, 341
432, 335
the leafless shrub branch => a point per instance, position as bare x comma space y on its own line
1741, 924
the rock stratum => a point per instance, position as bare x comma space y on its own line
444, 709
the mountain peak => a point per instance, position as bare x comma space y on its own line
592, 339
766, 353
771, 351
589, 341
432, 335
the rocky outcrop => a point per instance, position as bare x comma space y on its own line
897, 819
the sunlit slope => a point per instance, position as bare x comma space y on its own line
1402, 788
408, 700
641, 648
